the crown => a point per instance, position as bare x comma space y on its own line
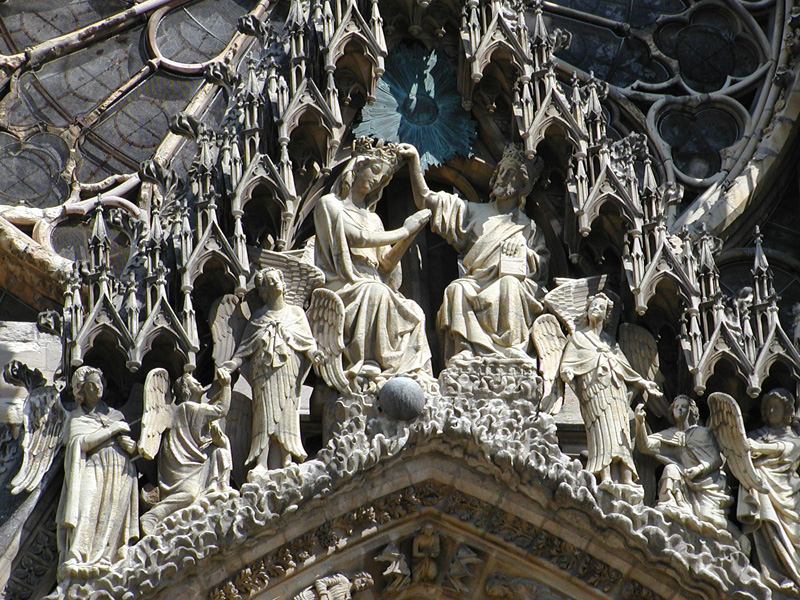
514, 154
379, 149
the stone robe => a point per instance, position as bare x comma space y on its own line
705, 496
383, 330
484, 311
98, 513
774, 517
274, 343
602, 374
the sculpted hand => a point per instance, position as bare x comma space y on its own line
127, 444
417, 221
407, 151
567, 375
640, 413
651, 387
223, 376
512, 247
692, 472
120, 427
317, 357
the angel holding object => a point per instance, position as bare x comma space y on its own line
384, 332
489, 310
601, 375
276, 349
693, 481
765, 463
194, 455
98, 513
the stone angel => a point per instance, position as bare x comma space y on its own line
274, 347
98, 513
600, 373
693, 481
194, 454
765, 462
42, 419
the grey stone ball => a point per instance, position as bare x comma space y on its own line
401, 398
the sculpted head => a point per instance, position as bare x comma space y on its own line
269, 283
599, 308
362, 581
512, 178
187, 387
777, 408
683, 410
87, 386
370, 169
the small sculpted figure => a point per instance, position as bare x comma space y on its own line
796, 324
772, 516
279, 347
693, 481
98, 513
425, 551
384, 333
601, 374
336, 587
489, 310
195, 455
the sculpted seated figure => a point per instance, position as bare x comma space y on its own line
384, 333
489, 310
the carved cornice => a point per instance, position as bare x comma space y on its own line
515, 466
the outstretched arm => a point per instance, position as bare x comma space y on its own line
423, 197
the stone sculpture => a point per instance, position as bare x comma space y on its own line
765, 463
195, 457
692, 482
425, 551
277, 347
600, 373
98, 513
336, 587
489, 310
384, 333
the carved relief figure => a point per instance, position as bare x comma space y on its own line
489, 310
278, 347
98, 513
600, 373
336, 587
425, 551
766, 463
384, 333
195, 456
692, 481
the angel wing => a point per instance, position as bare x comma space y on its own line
326, 317
228, 317
569, 298
641, 350
549, 340
157, 412
43, 420
725, 420
301, 278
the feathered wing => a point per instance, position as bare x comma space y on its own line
228, 320
301, 278
569, 298
725, 420
326, 317
549, 340
641, 350
157, 412
44, 419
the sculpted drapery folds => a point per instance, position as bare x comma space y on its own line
692, 481
98, 513
600, 374
384, 333
490, 309
278, 346
195, 454
773, 516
